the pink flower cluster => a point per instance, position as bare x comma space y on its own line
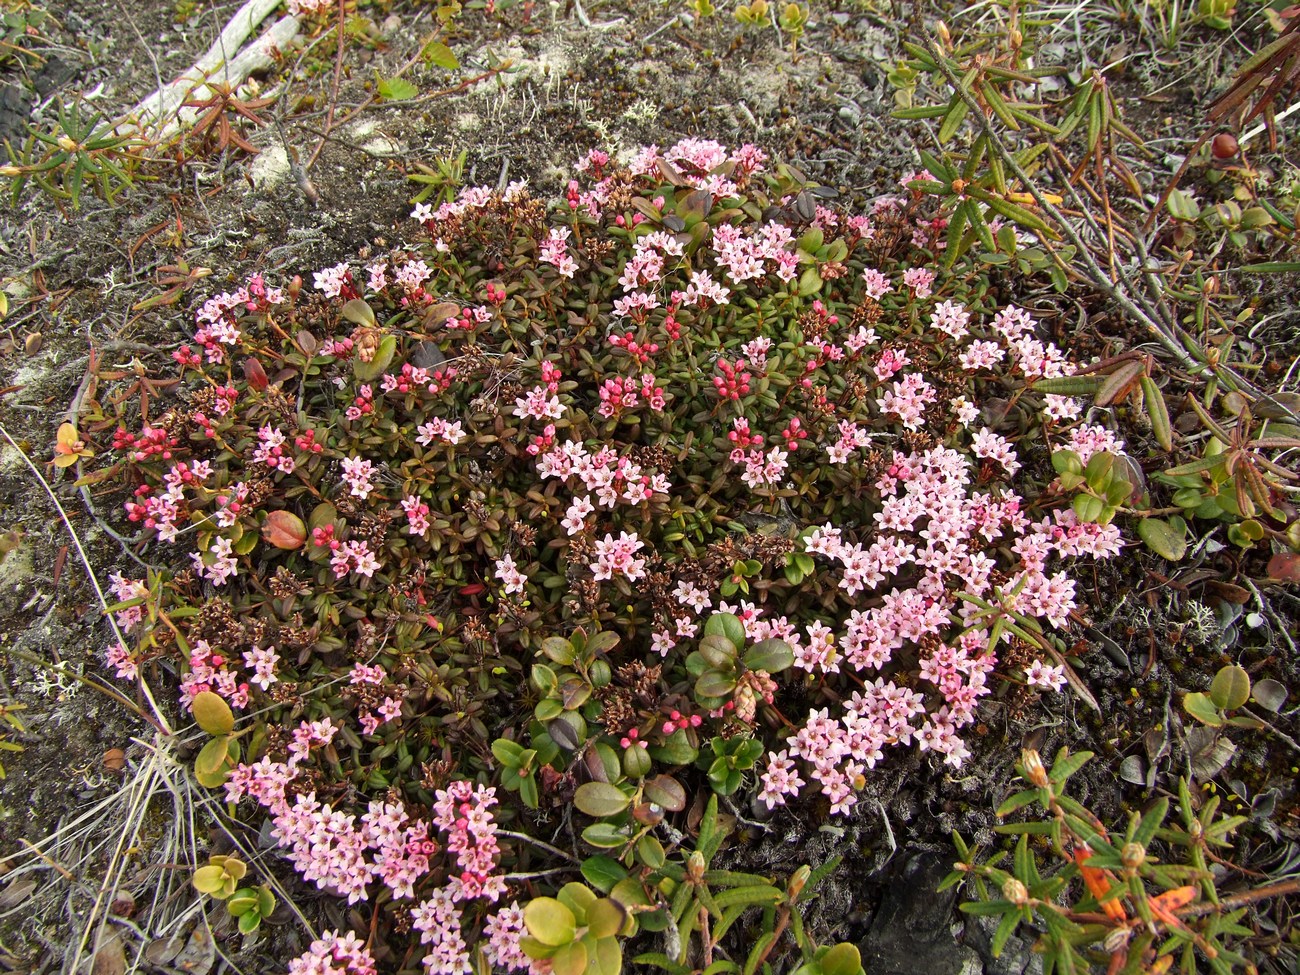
332, 953
605, 474
462, 811
747, 257
218, 565
210, 670
555, 251
929, 520
617, 556
619, 394
335, 850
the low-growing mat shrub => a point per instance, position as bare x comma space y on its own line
696, 482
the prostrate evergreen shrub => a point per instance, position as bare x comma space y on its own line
694, 481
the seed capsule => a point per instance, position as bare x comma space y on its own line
1015, 891
1133, 855
1224, 146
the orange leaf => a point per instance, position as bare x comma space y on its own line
1164, 905
68, 441
1098, 883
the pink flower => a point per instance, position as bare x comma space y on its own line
357, 474
512, 578
877, 285
539, 404
332, 280
262, 663
1050, 676
920, 280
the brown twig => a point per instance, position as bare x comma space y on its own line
334, 89
1279, 889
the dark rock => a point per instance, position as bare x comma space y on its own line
1016, 958
912, 930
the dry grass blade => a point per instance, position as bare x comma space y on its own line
134, 837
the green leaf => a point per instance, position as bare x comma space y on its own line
209, 879
395, 89
761, 946
714, 683
1182, 205
528, 791
570, 960
726, 625
212, 713
1196, 466
1067, 764
1151, 821
772, 656
605, 918
1158, 412
710, 837
952, 119
1200, 707
987, 908
1163, 538
1273, 267
359, 312
508, 753
659, 960
749, 895
549, 921
1018, 801
558, 649
1087, 508
602, 872
600, 799
1069, 386
665, 791
440, 54
650, 852
925, 111
1006, 928
842, 959
1230, 688
676, 750
211, 758
250, 922
604, 836
1066, 462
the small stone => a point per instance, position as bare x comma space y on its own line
911, 931
115, 759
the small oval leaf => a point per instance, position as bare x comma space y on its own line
600, 799
212, 713
665, 791
549, 921
1230, 688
